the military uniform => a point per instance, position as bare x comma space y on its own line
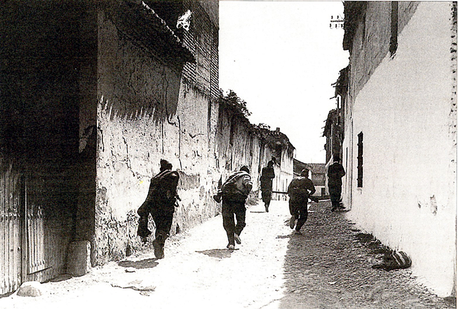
160, 203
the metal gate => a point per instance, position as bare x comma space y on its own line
10, 230
35, 236
21, 226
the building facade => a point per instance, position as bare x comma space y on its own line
399, 108
316, 174
93, 96
277, 146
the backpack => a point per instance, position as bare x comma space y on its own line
297, 190
235, 186
163, 189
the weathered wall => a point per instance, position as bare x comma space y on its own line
197, 162
407, 114
284, 174
372, 38
146, 112
239, 143
232, 140
88, 108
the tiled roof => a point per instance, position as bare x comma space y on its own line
316, 168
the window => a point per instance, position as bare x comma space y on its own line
360, 160
364, 31
393, 28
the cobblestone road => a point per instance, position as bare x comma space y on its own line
326, 267
329, 267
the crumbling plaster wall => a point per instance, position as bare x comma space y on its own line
199, 174
246, 147
238, 145
285, 173
145, 113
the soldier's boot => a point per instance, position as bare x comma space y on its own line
142, 229
158, 244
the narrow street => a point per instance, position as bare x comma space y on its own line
326, 267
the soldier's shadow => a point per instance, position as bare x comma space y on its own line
217, 253
142, 264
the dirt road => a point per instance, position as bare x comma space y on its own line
327, 266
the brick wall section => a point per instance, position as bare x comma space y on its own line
202, 41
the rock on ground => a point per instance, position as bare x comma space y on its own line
30, 289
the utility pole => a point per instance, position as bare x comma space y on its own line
336, 22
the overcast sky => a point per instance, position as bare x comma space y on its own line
281, 57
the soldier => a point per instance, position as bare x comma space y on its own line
299, 191
266, 184
160, 203
335, 172
234, 193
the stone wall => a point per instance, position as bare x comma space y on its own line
86, 122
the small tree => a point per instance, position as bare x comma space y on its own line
264, 126
231, 100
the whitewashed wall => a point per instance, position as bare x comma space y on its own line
407, 113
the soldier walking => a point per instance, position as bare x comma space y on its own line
335, 172
266, 184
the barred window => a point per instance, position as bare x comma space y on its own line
360, 160
393, 28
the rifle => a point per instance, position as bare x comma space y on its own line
312, 198
218, 197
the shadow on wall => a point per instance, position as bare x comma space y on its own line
129, 95
134, 83
130, 106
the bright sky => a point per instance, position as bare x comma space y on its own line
281, 57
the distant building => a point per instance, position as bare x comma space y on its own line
276, 146
318, 178
316, 174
